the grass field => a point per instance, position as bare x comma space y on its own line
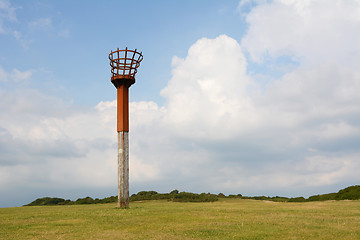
225, 219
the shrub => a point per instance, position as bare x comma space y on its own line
350, 193
47, 201
193, 197
235, 196
87, 200
297, 199
109, 199
174, 192
322, 197
144, 195
260, 198
221, 195
279, 199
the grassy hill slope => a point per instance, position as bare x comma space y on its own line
161, 219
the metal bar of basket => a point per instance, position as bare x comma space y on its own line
117, 65
132, 62
125, 61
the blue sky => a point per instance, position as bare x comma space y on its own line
81, 34
251, 97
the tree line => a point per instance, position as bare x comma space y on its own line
349, 193
174, 196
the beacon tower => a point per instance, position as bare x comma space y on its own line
124, 64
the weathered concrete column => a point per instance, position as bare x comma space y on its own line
123, 169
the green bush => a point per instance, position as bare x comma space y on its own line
234, 196
47, 201
145, 195
174, 196
221, 195
109, 199
297, 199
66, 202
87, 200
349, 193
193, 197
279, 199
174, 191
322, 197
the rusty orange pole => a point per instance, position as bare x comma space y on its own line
122, 108
124, 64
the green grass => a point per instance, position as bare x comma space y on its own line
225, 219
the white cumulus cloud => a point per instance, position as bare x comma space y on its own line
220, 129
